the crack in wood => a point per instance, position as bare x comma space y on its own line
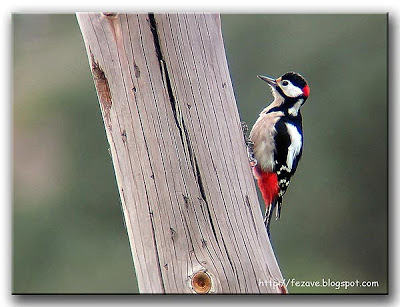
246, 197
137, 70
173, 234
186, 199
203, 201
184, 135
103, 88
124, 136
189, 148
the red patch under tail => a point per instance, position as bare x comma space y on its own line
268, 184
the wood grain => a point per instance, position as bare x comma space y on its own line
171, 120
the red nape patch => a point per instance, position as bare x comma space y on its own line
306, 90
268, 184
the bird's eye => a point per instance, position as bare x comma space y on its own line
284, 83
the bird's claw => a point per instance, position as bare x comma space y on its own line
245, 129
249, 145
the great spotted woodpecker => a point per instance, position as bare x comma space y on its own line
277, 140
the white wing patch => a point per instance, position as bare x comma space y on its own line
295, 144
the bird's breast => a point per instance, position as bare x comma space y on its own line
262, 134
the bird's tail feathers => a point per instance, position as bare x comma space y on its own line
278, 208
268, 214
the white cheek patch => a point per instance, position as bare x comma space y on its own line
291, 91
295, 144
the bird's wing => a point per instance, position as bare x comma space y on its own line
286, 157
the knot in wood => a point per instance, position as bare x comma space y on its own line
110, 14
201, 282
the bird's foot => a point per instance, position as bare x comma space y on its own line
249, 145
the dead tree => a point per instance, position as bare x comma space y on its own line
187, 192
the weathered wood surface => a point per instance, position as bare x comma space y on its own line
171, 120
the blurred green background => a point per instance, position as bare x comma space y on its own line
68, 229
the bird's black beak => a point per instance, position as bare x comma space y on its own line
269, 80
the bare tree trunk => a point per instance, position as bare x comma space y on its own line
187, 192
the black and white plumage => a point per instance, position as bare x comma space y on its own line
278, 139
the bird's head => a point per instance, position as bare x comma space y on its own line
290, 86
